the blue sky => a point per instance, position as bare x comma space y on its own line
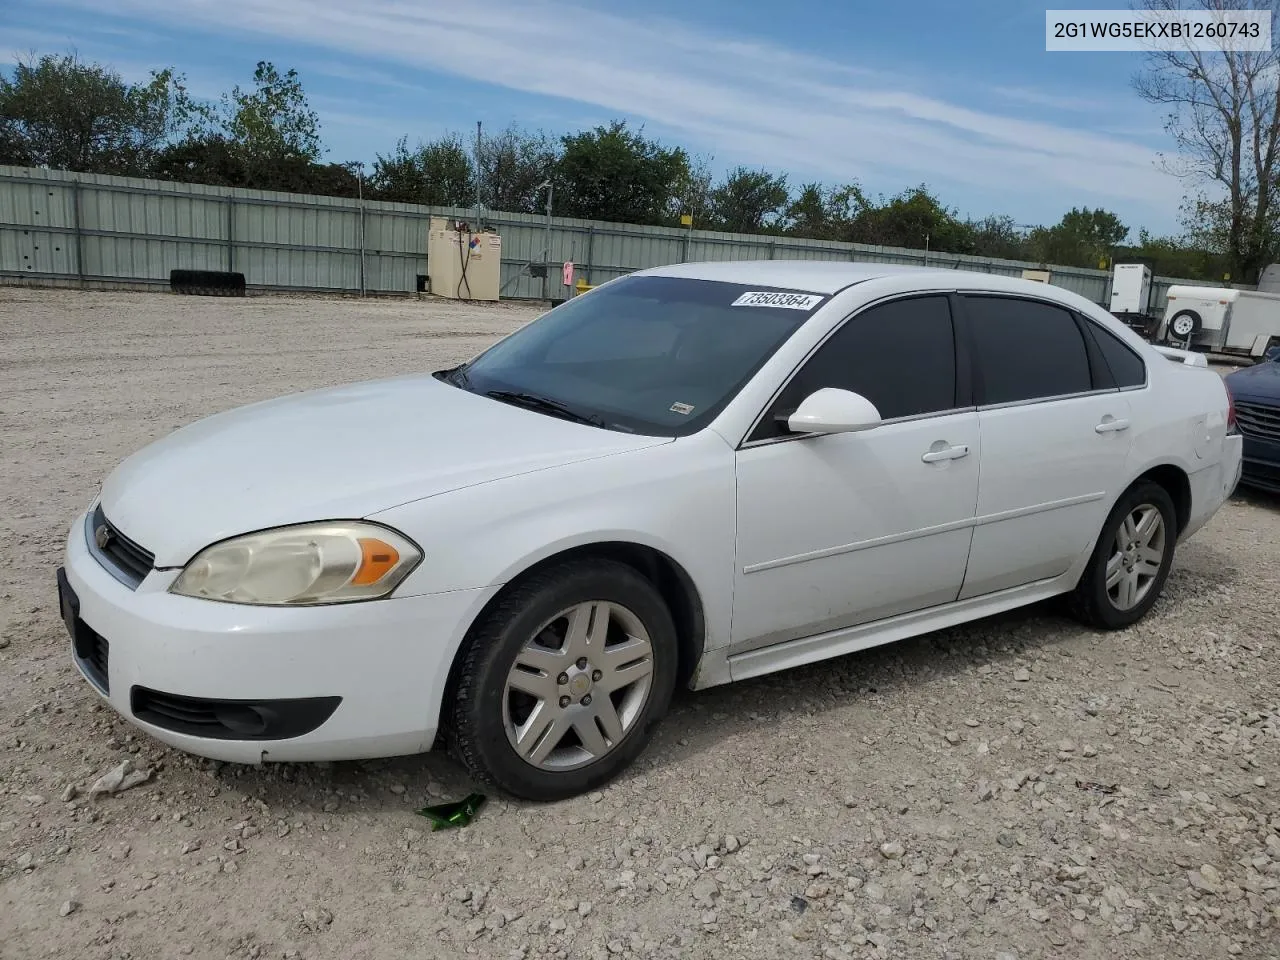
959, 95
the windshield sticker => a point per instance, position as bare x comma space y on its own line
786, 301
682, 408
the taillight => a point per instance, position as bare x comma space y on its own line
1231, 412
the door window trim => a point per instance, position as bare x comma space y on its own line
1090, 347
964, 369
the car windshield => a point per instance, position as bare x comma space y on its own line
651, 355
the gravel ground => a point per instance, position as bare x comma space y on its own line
1016, 788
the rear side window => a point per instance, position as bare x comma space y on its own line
1026, 350
1127, 368
900, 355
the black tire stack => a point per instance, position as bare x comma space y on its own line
207, 283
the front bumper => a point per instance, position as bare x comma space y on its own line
1261, 463
359, 680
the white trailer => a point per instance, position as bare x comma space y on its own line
1131, 296
1221, 320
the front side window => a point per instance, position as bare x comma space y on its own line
654, 355
900, 355
1026, 350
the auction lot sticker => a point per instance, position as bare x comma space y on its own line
787, 301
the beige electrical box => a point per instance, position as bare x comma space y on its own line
462, 265
1039, 276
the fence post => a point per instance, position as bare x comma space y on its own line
231, 226
591, 247
772, 245
75, 215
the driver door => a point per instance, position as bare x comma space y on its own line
843, 529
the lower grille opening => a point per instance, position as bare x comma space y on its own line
231, 719
93, 652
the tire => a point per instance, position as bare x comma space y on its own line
582, 735
1092, 601
1181, 319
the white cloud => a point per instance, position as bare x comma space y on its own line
736, 97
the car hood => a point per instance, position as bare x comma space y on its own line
338, 453
1260, 381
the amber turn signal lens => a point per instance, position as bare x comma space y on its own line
376, 558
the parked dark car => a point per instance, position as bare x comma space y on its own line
1255, 392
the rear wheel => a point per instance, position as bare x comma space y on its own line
562, 682
1131, 560
1184, 324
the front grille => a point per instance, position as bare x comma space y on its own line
93, 651
1258, 420
129, 560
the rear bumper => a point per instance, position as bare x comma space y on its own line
1212, 486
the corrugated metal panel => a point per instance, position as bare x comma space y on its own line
134, 229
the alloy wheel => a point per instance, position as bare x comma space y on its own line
578, 686
1136, 557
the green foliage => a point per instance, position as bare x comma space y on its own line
514, 165
1176, 257
58, 112
273, 119
1082, 238
914, 218
749, 201
612, 173
437, 173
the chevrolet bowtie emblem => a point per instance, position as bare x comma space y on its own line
101, 536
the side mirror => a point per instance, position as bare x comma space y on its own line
830, 410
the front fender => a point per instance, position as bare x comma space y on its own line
677, 498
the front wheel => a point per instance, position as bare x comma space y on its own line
561, 683
1131, 560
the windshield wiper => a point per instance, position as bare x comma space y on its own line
532, 401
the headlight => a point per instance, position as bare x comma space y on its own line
311, 563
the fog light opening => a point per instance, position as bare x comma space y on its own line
244, 720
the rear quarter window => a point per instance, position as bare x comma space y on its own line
1127, 368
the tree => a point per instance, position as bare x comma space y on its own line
693, 194
56, 111
274, 118
514, 165
437, 173
1175, 257
267, 138
825, 213
612, 173
914, 218
996, 236
749, 201
1082, 238
1224, 116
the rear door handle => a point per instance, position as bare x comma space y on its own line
1110, 425
947, 453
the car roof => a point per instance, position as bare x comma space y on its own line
831, 276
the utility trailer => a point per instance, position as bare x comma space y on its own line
1131, 298
1235, 324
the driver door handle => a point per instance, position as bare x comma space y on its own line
947, 453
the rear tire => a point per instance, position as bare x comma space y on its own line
1130, 561
1183, 325
561, 683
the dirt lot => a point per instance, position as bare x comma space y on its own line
1014, 789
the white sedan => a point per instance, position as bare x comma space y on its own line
689, 475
